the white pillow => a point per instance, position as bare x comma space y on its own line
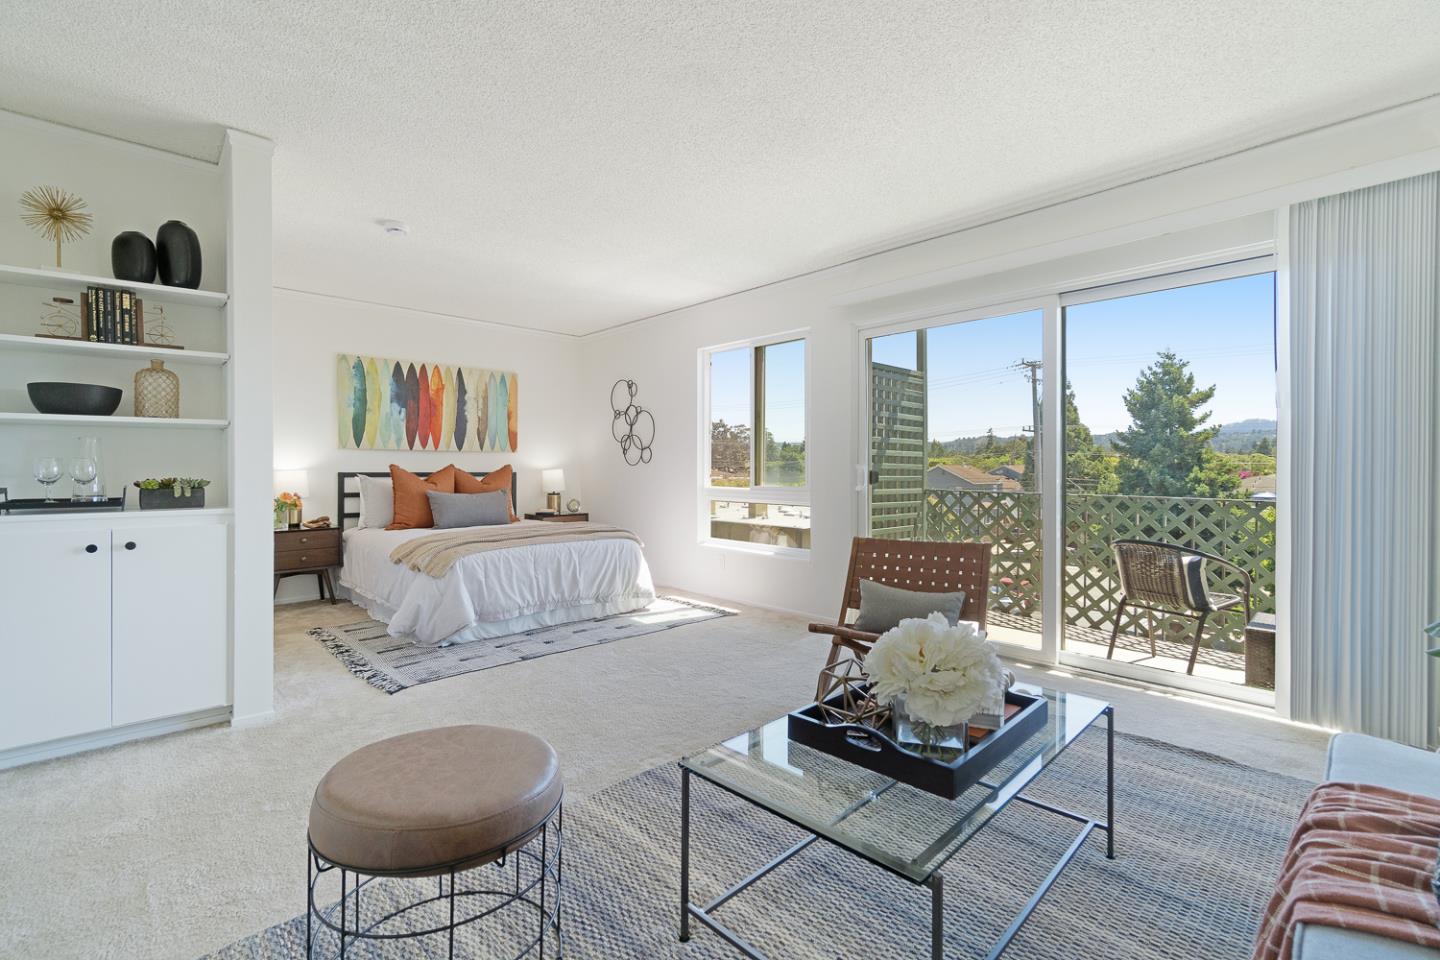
377, 502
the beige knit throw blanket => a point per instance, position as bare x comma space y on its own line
436, 554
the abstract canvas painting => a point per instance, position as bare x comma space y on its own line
400, 405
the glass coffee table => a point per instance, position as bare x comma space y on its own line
906, 831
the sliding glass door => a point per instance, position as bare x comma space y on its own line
1171, 480
1060, 429
953, 439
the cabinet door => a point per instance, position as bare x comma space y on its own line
54, 632
171, 613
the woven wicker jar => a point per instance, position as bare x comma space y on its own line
157, 391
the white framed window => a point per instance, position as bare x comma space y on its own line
754, 426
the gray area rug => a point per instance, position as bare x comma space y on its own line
1199, 840
393, 663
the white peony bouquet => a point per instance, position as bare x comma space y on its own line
945, 674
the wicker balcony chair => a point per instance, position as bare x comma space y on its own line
1167, 578
931, 566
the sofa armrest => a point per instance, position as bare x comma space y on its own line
1356, 758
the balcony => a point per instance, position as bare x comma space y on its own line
1241, 531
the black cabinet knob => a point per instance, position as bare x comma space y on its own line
129, 544
91, 548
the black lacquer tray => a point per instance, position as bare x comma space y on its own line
39, 505
945, 772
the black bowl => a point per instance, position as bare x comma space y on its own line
80, 399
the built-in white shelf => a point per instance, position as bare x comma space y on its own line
149, 292
130, 516
62, 419
87, 348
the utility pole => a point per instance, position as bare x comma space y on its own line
1032, 373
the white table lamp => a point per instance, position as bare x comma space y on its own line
553, 481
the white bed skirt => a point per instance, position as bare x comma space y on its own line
494, 593
503, 628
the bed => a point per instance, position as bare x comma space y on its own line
490, 594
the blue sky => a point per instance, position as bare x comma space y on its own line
1225, 329
730, 374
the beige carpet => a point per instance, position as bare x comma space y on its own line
179, 845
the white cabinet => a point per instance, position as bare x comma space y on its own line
54, 632
169, 607
105, 624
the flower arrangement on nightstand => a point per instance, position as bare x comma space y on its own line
288, 508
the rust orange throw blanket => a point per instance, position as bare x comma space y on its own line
1361, 858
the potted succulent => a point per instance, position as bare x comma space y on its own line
172, 493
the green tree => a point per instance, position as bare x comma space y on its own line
729, 455
1166, 449
1087, 467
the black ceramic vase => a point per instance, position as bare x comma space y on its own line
132, 257
179, 255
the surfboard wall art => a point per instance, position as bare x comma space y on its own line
405, 405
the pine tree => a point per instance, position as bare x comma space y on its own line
1166, 449
1086, 465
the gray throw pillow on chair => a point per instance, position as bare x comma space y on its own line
469, 509
883, 606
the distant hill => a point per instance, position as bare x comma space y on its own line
1243, 436
1248, 426
1239, 437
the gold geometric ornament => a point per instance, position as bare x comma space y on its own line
61, 318
56, 214
157, 329
845, 696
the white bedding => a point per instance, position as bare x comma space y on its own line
497, 592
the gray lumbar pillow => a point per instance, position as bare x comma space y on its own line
469, 509
883, 606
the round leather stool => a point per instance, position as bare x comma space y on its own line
438, 803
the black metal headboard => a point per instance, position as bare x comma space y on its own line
342, 494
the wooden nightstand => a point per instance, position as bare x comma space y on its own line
308, 551
559, 517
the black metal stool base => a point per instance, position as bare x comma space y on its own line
395, 908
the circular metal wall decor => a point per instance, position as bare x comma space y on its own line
632, 427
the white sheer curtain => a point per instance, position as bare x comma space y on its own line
1363, 480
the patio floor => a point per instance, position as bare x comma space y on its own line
1221, 665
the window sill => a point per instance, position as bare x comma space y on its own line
757, 549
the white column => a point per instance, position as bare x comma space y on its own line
245, 163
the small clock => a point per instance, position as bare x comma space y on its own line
572, 505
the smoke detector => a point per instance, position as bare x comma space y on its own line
395, 228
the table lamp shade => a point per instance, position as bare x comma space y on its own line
552, 480
293, 481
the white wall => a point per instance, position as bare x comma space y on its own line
1156, 225
310, 330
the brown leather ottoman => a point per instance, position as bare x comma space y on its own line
436, 803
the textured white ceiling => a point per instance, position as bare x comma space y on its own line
572, 165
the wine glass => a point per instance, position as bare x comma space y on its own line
82, 471
47, 472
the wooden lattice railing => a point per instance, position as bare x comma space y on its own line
1241, 531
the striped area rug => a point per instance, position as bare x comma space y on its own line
1199, 840
393, 664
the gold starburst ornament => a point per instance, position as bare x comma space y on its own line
56, 215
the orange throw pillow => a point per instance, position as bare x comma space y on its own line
412, 507
494, 480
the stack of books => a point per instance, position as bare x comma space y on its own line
109, 315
